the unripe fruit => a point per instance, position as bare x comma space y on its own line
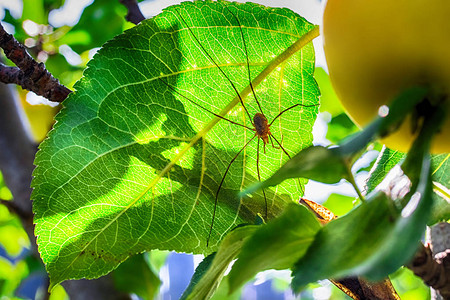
377, 48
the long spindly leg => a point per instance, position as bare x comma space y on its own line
289, 108
204, 108
246, 56
215, 63
259, 179
220, 186
280, 146
273, 145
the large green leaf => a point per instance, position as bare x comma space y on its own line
133, 165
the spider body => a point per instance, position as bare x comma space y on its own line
262, 127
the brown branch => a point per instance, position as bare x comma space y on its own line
435, 272
134, 12
30, 74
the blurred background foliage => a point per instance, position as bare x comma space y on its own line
65, 34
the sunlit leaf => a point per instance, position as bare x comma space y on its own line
441, 188
387, 159
339, 204
10, 276
340, 127
134, 163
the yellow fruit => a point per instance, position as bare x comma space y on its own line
377, 48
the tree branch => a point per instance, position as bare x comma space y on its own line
30, 74
134, 12
435, 273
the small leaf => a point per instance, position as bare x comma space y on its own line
339, 204
329, 101
441, 188
276, 245
317, 163
386, 160
135, 276
200, 271
100, 22
340, 127
207, 277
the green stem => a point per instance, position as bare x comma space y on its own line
352, 181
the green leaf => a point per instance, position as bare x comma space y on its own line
318, 163
386, 160
209, 273
340, 127
329, 102
133, 165
11, 275
100, 22
13, 238
339, 204
200, 271
135, 276
277, 245
441, 169
409, 286
441, 188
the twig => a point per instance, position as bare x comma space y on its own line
434, 272
134, 12
30, 74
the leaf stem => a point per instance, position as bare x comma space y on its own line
351, 179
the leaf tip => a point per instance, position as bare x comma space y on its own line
251, 189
